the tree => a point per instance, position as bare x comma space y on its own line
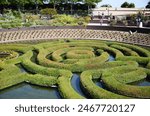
49, 12
148, 5
125, 5
55, 2
36, 3
131, 5
3, 3
128, 5
106, 5
18, 3
91, 2
73, 2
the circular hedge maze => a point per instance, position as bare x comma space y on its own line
116, 66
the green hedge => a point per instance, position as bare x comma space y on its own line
65, 87
93, 90
140, 60
41, 80
141, 51
109, 78
80, 54
125, 50
10, 76
55, 61
34, 68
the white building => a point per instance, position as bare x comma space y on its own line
119, 11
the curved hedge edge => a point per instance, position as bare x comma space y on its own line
93, 90
125, 50
80, 54
140, 60
109, 78
19, 58
11, 81
10, 75
97, 60
139, 50
132, 76
113, 51
34, 68
112, 64
148, 65
65, 88
41, 80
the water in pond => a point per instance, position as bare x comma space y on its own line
111, 58
21, 68
75, 82
27, 91
99, 83
144, 82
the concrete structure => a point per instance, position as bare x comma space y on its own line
48, 34
119, 11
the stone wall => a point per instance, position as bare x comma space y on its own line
46, 34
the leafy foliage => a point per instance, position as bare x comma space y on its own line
128, 5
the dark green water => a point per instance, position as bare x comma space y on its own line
145, 82
75, 82
111, 58
28, 91
99, 83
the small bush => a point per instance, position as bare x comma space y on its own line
13, 25
49, 12
31, 17
6, 25
28, 24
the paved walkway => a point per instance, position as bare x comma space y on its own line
98, 24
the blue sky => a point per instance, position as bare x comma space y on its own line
117, 3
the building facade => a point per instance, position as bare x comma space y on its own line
119, 11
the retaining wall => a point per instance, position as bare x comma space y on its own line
91, 32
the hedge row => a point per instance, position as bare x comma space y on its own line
80, 54
110, 79
41, 80
10, 76
34, 68
140, 60
55, 61
125, 50
65, 87
93, 90
141, 51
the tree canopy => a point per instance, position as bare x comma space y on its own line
148, 5
106, 5
128, 5
27, 5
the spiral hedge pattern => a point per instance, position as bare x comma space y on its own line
53, 63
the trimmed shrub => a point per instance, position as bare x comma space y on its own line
93, 90
109, 78
52, 63
65, 87
49, 12
10, 76
41, 80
